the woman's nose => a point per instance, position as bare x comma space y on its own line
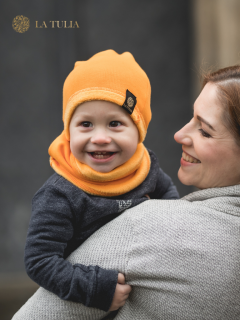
101, 137
183, 136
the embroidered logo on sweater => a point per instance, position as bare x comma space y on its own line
123, 204
130, 102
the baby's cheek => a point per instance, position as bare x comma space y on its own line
71, 143
74, 146
129, 153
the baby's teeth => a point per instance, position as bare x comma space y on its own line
99, 152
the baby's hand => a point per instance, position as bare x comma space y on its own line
121, 293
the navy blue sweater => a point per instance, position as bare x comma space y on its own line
63, 217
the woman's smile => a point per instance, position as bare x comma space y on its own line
189, 159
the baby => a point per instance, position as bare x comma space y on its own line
101, 168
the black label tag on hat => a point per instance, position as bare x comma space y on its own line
130, 102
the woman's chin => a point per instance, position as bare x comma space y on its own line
184, 178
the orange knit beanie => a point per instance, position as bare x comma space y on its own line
112, 77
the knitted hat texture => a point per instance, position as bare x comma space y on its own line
108, 76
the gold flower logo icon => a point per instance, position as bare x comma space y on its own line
21, 24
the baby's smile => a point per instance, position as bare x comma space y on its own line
101, 154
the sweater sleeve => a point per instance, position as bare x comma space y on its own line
50, 229
165, 189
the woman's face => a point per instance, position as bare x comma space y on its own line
211, 156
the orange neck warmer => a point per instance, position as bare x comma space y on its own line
116, 182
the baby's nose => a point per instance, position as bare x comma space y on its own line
101, 137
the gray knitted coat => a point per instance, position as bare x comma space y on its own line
182, 258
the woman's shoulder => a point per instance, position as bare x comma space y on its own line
209, 206
213, 193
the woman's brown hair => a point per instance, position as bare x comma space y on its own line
227, 81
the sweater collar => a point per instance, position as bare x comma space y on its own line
204, 194
224, 199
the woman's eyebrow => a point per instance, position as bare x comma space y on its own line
207, 123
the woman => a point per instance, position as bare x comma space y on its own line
181, 257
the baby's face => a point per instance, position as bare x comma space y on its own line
102, 135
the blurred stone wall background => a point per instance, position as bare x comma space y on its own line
170, 39
215, 38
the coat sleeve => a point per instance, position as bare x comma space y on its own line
165, 189
50, 229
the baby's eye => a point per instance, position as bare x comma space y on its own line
115, 124
204, 133
86, 124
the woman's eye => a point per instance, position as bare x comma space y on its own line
204, 133
115, 124
86, 124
